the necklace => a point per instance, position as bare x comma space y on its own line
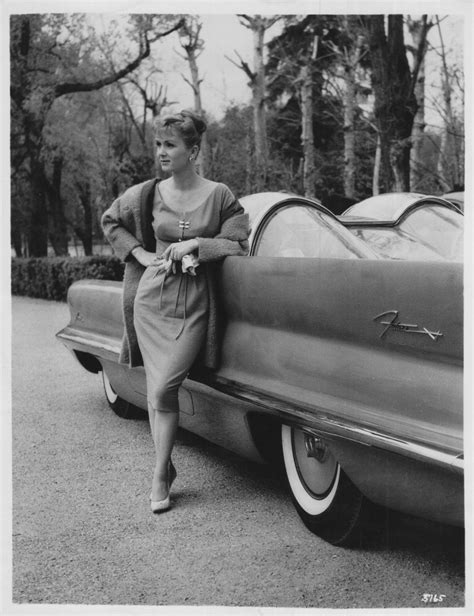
183, 225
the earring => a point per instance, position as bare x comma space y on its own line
191, 158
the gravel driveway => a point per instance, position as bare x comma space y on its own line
83, 532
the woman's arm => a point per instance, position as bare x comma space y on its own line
146, 258
232, 239
117, 223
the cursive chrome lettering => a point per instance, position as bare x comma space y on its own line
392, 322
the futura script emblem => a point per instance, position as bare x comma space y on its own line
390, 321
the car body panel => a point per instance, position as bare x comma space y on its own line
403, 383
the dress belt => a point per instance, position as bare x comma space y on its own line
182, 275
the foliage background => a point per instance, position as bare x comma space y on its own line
74, 149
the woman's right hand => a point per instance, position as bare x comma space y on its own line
143, 256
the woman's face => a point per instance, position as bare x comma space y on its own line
173, 153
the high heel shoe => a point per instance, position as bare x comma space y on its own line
161, 505
165, 503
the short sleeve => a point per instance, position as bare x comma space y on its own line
230, 204
232, 239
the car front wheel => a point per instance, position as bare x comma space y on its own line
327, 501
120, 407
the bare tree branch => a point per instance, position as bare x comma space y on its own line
68, 88
420, 51
243, 66
250, 21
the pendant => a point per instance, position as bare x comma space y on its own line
183, 225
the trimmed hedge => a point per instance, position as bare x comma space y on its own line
50, 277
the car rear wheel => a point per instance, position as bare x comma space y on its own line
327, 501
120, 407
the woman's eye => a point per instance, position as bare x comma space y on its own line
165, 144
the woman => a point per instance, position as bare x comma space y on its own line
169, 233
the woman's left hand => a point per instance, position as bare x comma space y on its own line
177, 250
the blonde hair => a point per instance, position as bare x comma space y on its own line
188, 125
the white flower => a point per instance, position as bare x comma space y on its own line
189, 264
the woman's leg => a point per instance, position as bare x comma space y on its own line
164, 430
151, 419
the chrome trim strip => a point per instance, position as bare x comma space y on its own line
394, 222
316, 420
398, 445
88, 342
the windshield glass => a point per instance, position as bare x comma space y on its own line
393, 243
440, 228
303, 231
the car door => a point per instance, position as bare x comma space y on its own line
363, 340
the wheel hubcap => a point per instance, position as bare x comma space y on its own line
315, 448
316, 466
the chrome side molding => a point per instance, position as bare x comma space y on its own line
95, 345
319, 422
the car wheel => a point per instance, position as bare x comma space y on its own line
327, 501
120, 407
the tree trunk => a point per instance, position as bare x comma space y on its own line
205, 153
377, 162
193, 45
16, 240
350, 98
258, 25
259, 112
58, 225
395, 102
38, 228
448, 171
23, 90
400, 163
416, 160
249, 151
84, 233
307, 136
349, 136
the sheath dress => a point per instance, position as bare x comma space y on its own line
170, 312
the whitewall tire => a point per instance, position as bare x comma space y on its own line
120, 407
327, 501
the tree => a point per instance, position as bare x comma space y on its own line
228, 140
416, 29
301, 76
258, 26
450, 166
294, 69
47, 64
307, 130
349, 48
189, 36
153, 99
395, 105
